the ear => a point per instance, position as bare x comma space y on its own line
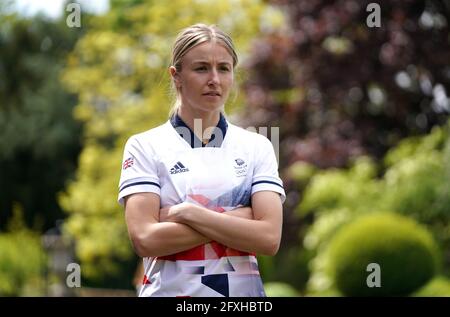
175, 76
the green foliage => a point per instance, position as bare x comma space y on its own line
415, 184
341, 188
417, 145
22, 260
417, 178
96, 222
325, 226
301, 171
119, 72
39, 142
279, 289
437, 287
405, 251
266, 265
294, 264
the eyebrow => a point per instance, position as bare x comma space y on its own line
207, 63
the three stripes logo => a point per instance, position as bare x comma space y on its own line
178, 168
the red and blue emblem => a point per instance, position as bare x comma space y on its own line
128, 163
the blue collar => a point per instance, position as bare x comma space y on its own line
188, 135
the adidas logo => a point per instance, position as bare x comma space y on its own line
178, 168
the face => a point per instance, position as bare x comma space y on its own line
206, 77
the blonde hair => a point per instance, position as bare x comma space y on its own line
192, 36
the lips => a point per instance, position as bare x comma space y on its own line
212, 93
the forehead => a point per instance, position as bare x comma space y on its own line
209, 51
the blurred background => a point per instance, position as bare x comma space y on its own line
363, 114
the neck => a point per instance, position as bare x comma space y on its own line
199, 121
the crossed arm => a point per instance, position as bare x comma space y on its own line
158, 232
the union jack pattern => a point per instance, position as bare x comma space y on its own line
128, 163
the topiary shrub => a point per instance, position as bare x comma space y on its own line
439, 286
404, 250
279, 289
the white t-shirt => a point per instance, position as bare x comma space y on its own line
219, 178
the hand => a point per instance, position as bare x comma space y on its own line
175, 213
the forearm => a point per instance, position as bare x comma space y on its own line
248, 235
167, 238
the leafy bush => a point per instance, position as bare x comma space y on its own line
266, 266
22, 263
437, 287
294, 264
279, 289
414, 183
404, 250
342, 188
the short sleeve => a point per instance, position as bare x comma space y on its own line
139, 171
265, 176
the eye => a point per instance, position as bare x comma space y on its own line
224, 69
200, 69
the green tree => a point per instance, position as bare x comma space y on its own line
39, 142
339, 88
119, 72
22, 259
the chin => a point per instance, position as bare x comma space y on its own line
213, 107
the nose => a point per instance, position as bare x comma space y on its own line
213, 77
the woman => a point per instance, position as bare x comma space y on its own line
187, 185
